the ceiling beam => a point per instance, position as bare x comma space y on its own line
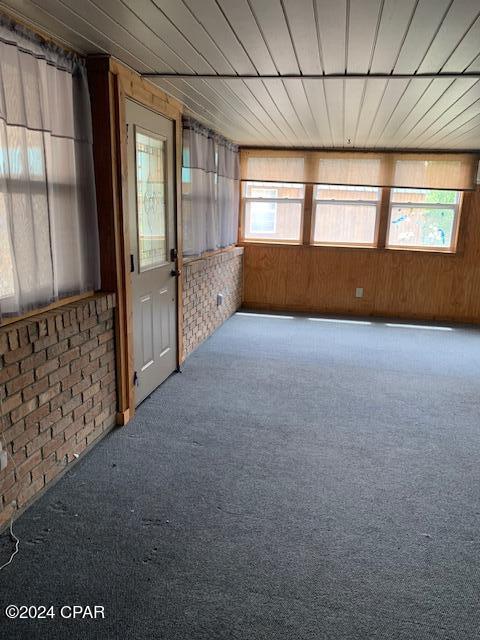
310, 76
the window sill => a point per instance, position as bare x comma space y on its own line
7, 320
353, 247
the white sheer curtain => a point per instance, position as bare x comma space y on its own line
48, 221
209, 190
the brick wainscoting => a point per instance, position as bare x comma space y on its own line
203, 280
57, 391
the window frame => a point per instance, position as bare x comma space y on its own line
332, 201
382, 222
243, 213
456, 208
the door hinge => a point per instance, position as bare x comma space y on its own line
126, 127
135, 378
132, 263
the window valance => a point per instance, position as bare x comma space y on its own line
427, 171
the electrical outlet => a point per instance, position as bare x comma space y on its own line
219, 299
359, 292
3, 460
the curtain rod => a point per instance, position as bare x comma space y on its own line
309, 76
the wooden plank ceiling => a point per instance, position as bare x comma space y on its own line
295, 37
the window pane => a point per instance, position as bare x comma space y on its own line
344, 192
273, 221
345, 223
431, 196
274, 190
151, 205
421, 227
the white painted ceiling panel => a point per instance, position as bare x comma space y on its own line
242, 41
363, 25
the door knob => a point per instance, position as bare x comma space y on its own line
175, 272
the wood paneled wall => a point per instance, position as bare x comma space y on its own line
405, 284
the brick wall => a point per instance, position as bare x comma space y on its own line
203, 279
57, 391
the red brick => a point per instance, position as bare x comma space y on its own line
37, 443
91, 391
57, 349
47, 341
31, 461
60, 400
25, 437
88, 324
99, 373
68, 332
91, 368
8, 480
93, 413
33, 361
74, 428
83, 385
45, 369
67, 447
82, 409
37, 415
9, 372
62, 424
110, 377
52, 418
93, 435
71, 380
98, 352
43, 467
79, 339
19, 383
70, 355
59, 374
11, 403
6, 514
105, 337
53, 445
28, 492
85, 432
53, 471
35, 389
72, 404
14, 431
49, 394
3, 342
101, 417
17, 354
88, 346
80, 363
24, 409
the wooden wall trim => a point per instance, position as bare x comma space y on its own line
111, 83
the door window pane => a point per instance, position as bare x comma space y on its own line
151, 201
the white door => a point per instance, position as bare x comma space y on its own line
151, 200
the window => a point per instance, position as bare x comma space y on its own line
273, 211
49, 246
346, 215
423, 219
151, 205
263, 215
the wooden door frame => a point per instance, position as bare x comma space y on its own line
111, 84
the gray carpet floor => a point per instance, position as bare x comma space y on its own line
299, 480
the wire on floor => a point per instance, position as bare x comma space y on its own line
12, 535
